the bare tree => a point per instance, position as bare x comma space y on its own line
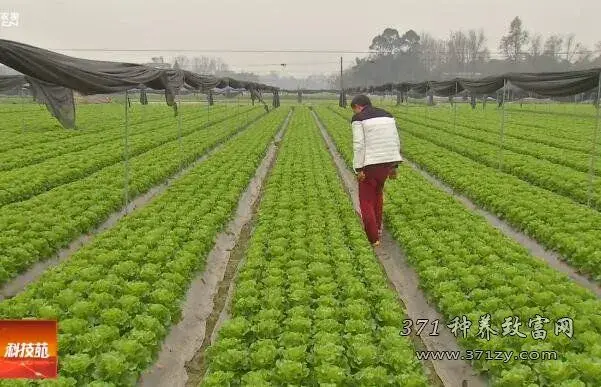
433, 54
553, 46
512, 43
595, 57
572, 47
477, 51
208, 65
583, 58
536, 45
535, 51
458, 49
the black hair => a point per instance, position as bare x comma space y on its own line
360, 100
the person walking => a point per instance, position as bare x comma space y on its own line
376, 156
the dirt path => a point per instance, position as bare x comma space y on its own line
18, 283
406, 282
181, 360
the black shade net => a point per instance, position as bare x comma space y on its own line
561, 84
56, 73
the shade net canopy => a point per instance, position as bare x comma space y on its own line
560, 84
59, 100
55, 72
83, 75
557, 84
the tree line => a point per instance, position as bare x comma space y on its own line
411, 56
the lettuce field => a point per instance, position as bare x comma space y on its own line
223, 247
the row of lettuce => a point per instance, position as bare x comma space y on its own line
35, 229
107, 127
33, 124
553, 167
573, 131
540, 146
116, 298
30, 180
469, 269
312, 305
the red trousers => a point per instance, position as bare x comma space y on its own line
371, 198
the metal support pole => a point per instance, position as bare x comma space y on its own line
208, 107
199, 97
22, 98
179, 128
502, 134
143, 107
455, 107
238, 117
400, 131
429, 100
342, 99
591, 177
126, 152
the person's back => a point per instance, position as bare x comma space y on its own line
378, 140
376, 154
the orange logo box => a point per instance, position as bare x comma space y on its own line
28, 349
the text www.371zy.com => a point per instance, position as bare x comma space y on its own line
504, 356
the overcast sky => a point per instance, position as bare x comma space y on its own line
276, 25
